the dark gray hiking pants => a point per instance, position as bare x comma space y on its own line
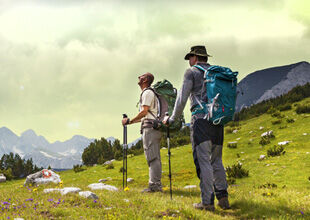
207, 144
151, 145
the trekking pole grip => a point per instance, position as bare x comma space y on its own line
125, 116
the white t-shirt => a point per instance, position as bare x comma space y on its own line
149, 98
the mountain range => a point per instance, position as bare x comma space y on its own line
270, 83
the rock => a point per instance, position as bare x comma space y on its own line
250, 132
126, 200
307, 152
108, 162
2, 178
99, 186
42, 177
305, 134
262, 157
235, 131
129, 180
18, 219
190, 187
261, 128
238, 139
88, 195
102, 180
68, 190
51, 190
284, 142
267, 134
163, 148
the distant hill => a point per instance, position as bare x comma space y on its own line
29, 145
270, 83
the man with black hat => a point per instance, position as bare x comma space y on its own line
207, 139
150, 137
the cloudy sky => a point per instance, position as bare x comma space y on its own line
70, 67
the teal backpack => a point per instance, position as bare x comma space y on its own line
221, 85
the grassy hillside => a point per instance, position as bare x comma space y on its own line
251, 197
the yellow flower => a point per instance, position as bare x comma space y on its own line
269, 194
126, 189
166, 188
30, 185
34, 190
21, 186
61, 182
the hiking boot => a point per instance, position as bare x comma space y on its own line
223, 203
205, 207
152, 190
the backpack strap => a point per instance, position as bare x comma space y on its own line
203, 69
158, 102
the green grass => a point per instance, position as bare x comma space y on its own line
249, 200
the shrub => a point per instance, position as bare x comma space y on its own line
236, 171
268, 186
275, 122
271, 110
78, 168
277, 114
290, 120
264, 141
110, 166
303, 109
7, 173
121, 169
232, 144
275, 151
285, 107
231, 181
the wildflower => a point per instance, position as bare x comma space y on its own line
126, 189
6, 203
50, 200
29, 200
301, 212
165, 188
269, 194
21, 186
34, 190
95, 201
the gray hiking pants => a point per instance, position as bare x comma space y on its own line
207, 144
151, 145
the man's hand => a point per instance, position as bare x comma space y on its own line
166, 120
125, 121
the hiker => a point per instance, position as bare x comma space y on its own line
150, 137
207, 138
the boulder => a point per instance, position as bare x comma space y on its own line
284, 142
108, 162
2, 178
267, 134
129, 180
100, 186
190, 187
262, 157
261, 128
68, 190
88, 195
51, 190
43, 177
235, 131
104, 179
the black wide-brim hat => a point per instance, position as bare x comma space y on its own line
198, 51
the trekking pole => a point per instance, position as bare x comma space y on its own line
169, 154
124, 153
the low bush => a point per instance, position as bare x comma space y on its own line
228, 130
232, 144
236, 171
275, 151
275, 122
264, 141
303, 109
110, 166
78, 168
231, 181
290, 120
282, 127
268, 186
121, 169
277, 114
7, 173
271, 110
285, 107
